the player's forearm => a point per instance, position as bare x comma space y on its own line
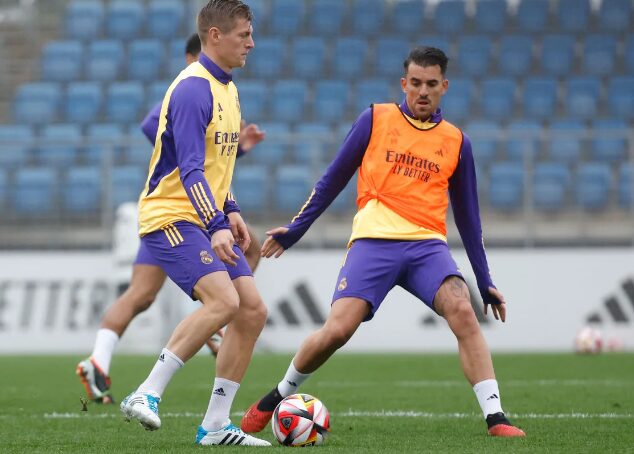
203, 201
150, 123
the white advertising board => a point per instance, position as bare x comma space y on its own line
52, 302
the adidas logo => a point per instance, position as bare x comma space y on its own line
162, 357
493, 396
219, 392
292, 383
287, 311
476, 303
614, 307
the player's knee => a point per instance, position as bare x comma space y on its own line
461, 317
143, 298
225, 303
338, 335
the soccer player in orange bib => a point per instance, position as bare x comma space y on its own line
409, 158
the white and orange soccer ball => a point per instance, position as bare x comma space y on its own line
589, 340
301, 420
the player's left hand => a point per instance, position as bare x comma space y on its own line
250, 135
271, 247
239, 230
498, 308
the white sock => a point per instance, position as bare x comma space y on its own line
488, 396
104, 346
164, 369
291, 381
217, 415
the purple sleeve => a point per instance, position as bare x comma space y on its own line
150, 123
190, 112
332, 182
240, 152
231, 205
463, 192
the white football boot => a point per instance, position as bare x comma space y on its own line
228, 435
144, 407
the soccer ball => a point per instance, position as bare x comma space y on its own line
588, 340
301, 420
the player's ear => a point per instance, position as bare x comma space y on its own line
403, 84
213, 34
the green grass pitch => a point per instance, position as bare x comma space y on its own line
379, 403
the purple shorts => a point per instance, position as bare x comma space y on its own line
183, 251
373, 267
143, 256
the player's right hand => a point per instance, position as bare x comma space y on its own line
222, 244
271, 247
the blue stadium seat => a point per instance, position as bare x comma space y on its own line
314, 143
156, 93
331, 100
347, 198
176, 57
81, 192
474, 55
36, 103
260, 10
629, 53
500, 97
272, 150
104, 60
15, 143
439, 42
483, 135
615, 15
83, 101
308, 55
251, 187
370, 91
407, 17
490, 16
145, 59
138, 149
592, 186
59, 144
516, 55
61, 60
551, 183
294, 184
506, 187
540, 97
268, 60
125, 19
326, 17
127, 183
621, 97
582, 96
573, 15
289, 99
450, 16
610, 144
34, 191
103, 138
523, 139
84, 19
626, 190
4, 189
124, 101
599, 54
389, 56
254, 96
287, 17
164, 18
566, 141
367, 17
456, 103
349, 57
532, 15
557, 55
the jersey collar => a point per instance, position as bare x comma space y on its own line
214, 69
435, 118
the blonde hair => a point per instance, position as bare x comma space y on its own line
222, 15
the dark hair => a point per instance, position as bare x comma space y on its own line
427, 56
193, 45
221, 14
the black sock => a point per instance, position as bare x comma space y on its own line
497, 418
270, 401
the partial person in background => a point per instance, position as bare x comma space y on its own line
410, 160
147, 276
191, 225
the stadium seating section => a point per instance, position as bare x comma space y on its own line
544, 88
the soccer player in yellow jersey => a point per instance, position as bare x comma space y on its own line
410, 162
191, 225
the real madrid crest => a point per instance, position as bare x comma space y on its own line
343, 283
205, 257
